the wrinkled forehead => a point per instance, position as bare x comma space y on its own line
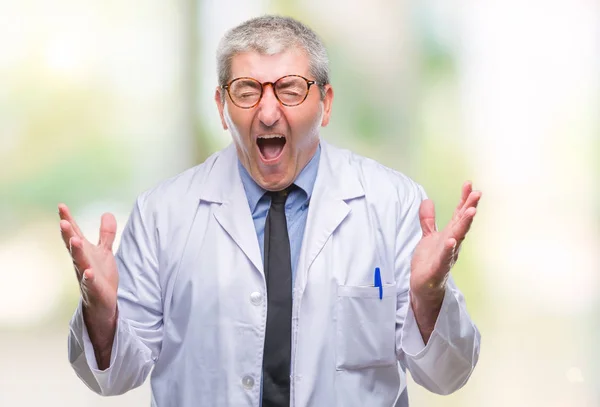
269, 68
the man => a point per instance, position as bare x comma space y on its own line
282, 271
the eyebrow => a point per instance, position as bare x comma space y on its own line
286, 85
247, 82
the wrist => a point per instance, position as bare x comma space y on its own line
101, 325
100, 315
428, 298
430, 291
426, 309
427, 301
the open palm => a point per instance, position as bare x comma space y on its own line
437, 251
95, 265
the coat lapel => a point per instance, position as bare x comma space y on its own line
224, 185
336, 183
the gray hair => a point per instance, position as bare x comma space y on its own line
269, 35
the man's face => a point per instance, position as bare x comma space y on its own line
274, 162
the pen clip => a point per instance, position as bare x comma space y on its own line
377, 282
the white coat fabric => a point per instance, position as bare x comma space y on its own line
192, 295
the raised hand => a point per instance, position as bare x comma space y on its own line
98, 278
436, 253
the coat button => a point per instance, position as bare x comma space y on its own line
256, 298
248, 382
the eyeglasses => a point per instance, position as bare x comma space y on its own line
290, 90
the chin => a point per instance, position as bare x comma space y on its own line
275, 181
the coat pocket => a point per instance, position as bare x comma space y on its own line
366, 327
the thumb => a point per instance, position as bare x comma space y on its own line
108, 230
427, 217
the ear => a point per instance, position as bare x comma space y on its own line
327, 102
220, 105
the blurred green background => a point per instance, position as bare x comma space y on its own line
100, 100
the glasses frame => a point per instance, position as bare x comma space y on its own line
309, 83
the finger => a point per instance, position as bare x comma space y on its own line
108, 231
68, 235
80, 259
66, 231
461, 228
427, 217
64, 213
466, 191
73, 242
471, 202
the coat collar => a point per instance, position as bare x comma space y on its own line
336, 175
337, 182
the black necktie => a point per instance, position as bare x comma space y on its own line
278, 273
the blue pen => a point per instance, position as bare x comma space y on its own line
377, 282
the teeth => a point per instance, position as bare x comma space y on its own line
270, 136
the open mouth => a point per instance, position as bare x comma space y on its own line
270, 146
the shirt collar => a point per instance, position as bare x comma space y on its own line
305, 180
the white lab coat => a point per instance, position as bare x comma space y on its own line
192, 299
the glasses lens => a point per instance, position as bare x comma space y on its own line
245, 92
291, 90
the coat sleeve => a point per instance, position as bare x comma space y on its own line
139, 327
447, 361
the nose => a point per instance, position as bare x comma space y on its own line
269, 109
